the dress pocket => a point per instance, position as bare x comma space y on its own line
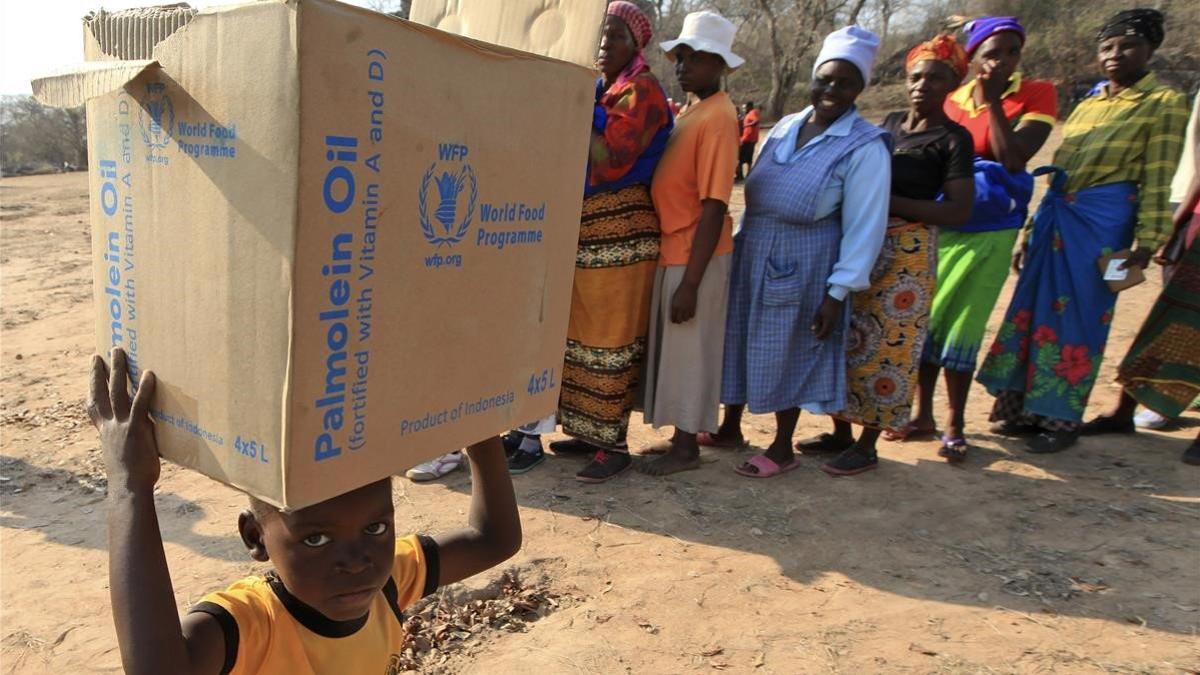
783, 286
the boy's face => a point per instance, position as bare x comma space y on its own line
334, 556
697, 71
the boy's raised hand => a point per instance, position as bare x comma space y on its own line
149, 633
126, 432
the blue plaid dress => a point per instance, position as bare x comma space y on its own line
782, 259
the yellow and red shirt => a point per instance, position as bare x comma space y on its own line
1023, 101
268, 631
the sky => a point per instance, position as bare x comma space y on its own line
40, 36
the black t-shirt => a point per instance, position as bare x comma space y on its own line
923, 161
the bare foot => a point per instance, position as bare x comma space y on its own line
672, 462
916, 430
657, 449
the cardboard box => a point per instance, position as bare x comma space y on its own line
561, 29
344, 242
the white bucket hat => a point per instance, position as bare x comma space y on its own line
707, 32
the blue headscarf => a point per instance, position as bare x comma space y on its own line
978, 30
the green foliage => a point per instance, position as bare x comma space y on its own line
36, 137
1061, 44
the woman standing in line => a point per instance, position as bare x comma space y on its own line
617, 256
931, 155
812, 229
1009, 117
1162, 369
1109, 189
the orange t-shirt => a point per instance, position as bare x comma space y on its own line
698, 164
750, 127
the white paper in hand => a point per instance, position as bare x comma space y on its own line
1114, 272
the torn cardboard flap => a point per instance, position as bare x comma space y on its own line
568, 30
118, 47
72, 87
131, 33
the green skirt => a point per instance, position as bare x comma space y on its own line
972, 268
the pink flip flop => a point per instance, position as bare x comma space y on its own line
767, 468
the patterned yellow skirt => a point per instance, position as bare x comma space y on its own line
888, 328
610, 306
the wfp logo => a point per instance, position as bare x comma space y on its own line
156, 116
446, 210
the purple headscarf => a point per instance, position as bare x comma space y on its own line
978, 30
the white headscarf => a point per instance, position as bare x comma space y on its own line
852, 43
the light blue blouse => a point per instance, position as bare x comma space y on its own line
860, 185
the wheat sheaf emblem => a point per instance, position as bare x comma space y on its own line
450, 186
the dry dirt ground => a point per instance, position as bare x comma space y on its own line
1081, 562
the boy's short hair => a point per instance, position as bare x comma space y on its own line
262, 509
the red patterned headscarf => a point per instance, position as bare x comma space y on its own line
639, 26
636, 19
942, 48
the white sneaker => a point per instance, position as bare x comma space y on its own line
1148, 419
435, 468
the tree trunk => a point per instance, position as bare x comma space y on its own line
855, 11
777, 98
784, 74
885, 13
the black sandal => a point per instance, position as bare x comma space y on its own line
572, 446
1014, 429
1051, 442
1108, 424
823, 444
851, 463
954, 450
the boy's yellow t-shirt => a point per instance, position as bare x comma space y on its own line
268, 631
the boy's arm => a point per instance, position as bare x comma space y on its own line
716, 160
143, 600
708, 235
493, 533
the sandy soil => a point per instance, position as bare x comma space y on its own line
1081, 562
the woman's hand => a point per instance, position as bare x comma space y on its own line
1140, 257
1018, 260
829, 315
994, 83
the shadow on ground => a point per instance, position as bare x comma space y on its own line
1105, 530
73, 516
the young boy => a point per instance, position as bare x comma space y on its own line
691, 191
333, 603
